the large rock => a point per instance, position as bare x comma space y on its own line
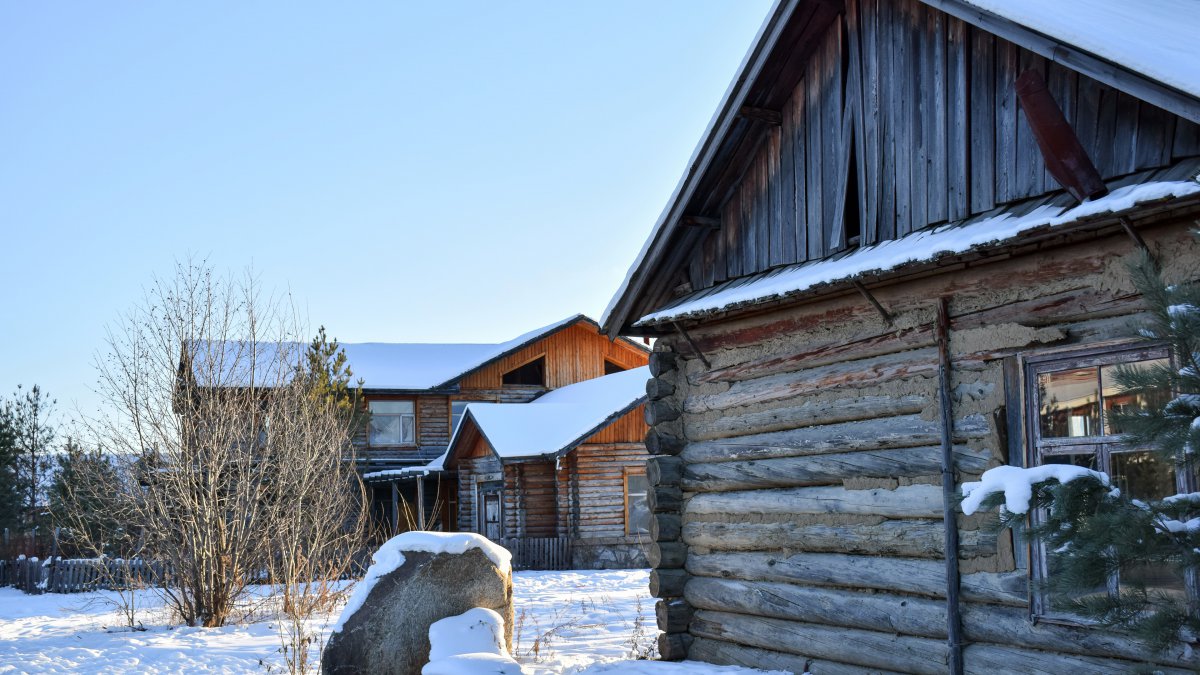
417, 578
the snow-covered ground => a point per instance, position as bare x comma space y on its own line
567, 622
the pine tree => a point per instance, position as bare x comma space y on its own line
10, 491
28, 413
1092, 533
328, 375
83, 502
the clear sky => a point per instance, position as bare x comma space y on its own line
438, 171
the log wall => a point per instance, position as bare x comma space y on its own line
796, 487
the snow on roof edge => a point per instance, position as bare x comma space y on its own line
921, 246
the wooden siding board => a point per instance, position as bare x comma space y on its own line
922, 122
814, 156
775, 238
800, 169
1125, 136
1006, 62
901, 103
787, 184
958, 182
870, 159
982, 114
938, 156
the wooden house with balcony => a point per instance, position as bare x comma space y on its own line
897, 259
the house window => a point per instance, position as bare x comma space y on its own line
393, 423
530, 374
1070, 400
611, 368
637, 509
457, 408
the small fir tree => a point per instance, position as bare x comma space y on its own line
83, 503
28, 414
1091, 531
10, 491
328, 375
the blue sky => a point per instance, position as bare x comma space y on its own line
457, 172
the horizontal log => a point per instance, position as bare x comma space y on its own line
665, 499
664, 470
911, 538
901, 431
666, 554
732, 654
908, 501
868, 649
662, 362
905, 575
907, 615
659, 412
989, 659
668, 583
661, 443
805, 414
673, 646
830, 469
659, 388
784, 386
673, 615
665, 526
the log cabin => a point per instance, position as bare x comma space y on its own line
417, 393
898, 258
560, 481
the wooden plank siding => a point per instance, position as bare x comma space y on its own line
925, 105
574, 354
811, 520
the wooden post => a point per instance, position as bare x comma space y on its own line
395, 509
953, 619
421, 503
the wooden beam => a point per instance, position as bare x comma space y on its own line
772, 117
1065, 157
701, 221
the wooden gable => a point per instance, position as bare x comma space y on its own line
869, 120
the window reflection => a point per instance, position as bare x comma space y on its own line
1070, 403
1121, 402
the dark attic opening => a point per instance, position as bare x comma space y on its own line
531, 374
851, 217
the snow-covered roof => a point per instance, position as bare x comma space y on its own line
918, 247
406, 366
556, 422
1155, 38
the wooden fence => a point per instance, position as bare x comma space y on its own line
78, 575
539, 553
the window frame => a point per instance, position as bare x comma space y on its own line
625, 475
1103, 446
526, 362
416, 422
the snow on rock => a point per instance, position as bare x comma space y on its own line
919, 246
471, 643
1017, 484
391, 556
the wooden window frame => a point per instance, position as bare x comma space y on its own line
416, 421
1103, 446
625, 474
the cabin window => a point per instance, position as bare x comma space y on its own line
611, 368
530, 374
393, 423
1070, 399
457, 408
637, 509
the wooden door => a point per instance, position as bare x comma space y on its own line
491, 515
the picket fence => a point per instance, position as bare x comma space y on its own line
78, 575
539, 553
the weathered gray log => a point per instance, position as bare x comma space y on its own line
908, 501
902, 431
865, 648
914, 538
666, 554
665, 526
808, 413
829, 469
987, 659
668, 583
673, 615
659, 412
662, 362
732, 654
905, 575
788, 385
659, 388
664, 470
908, 615
673, 646
664, 498
659, 442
